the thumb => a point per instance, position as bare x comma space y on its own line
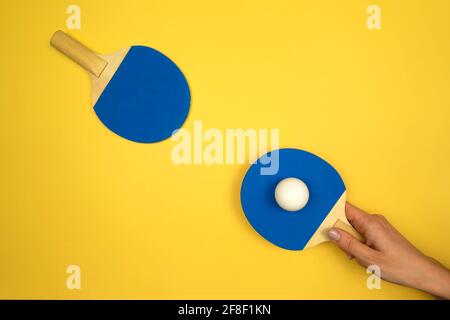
350, 245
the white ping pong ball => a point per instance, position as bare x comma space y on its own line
291, 194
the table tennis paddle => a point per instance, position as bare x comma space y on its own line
137, 92
308, 226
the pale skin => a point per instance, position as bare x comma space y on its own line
399, 261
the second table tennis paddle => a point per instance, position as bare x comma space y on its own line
137, 92
308, 226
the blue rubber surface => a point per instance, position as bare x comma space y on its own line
290, 230
147, 98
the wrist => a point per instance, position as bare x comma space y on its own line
435, 279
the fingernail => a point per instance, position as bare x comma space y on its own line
349, 256
334, 234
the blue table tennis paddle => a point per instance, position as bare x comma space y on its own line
137, 92
308, 226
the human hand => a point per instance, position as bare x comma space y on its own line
399, 261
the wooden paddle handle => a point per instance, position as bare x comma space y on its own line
348, 228
78, 53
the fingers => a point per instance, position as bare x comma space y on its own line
352, 247
358, 218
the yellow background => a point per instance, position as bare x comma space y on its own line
375, 104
